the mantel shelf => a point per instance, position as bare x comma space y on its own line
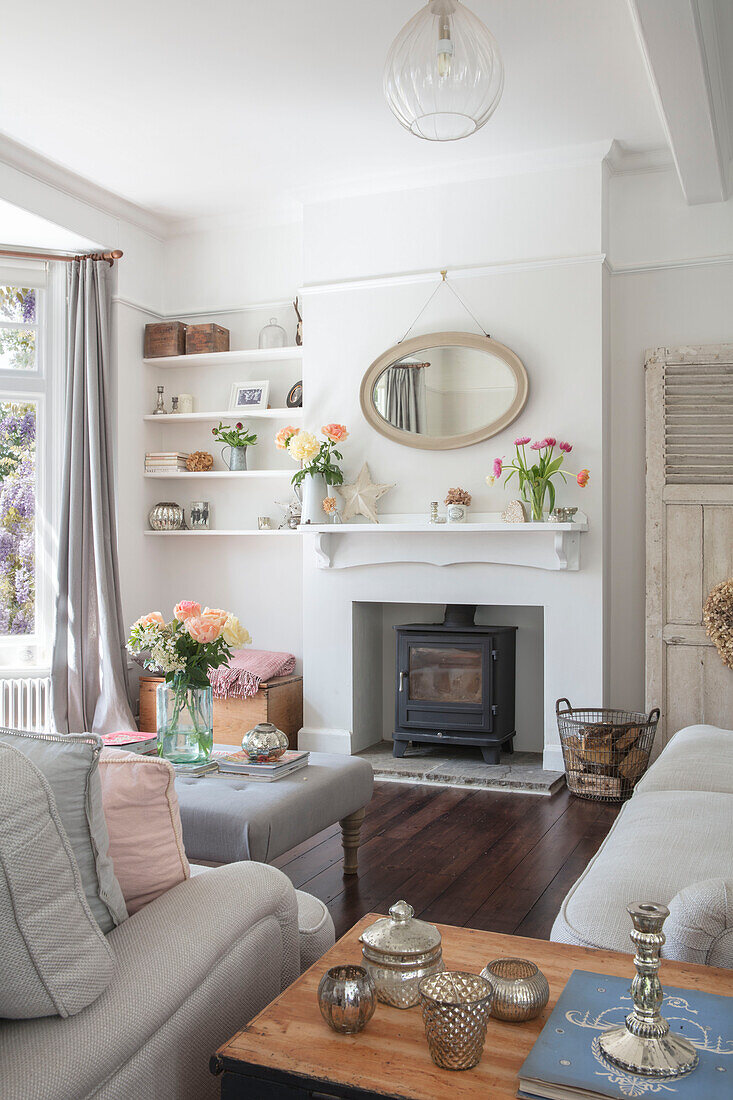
546, 545
212, 475
227, 358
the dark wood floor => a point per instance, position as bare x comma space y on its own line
502, 862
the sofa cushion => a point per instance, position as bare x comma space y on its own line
699, 928
70, 764
660, 843
55, 959
144, 825
698, 758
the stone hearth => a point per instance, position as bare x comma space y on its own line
518, 771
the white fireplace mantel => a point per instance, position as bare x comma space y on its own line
485, 538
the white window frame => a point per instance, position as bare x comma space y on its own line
23, 655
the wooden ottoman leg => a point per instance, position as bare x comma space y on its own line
350, 829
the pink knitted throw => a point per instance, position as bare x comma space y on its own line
248, 667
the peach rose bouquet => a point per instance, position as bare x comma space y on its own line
184, 651
315, 456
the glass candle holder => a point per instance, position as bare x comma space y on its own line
347, 998
520, 989
455, 1008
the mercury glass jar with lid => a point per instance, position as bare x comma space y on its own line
399, 951
265, 743
273, 335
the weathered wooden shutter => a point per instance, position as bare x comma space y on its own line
689, 484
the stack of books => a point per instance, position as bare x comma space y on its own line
238, 763
165, 462
144, 743
196, 769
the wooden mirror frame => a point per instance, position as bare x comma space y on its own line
436, 340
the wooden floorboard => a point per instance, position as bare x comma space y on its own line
484, 859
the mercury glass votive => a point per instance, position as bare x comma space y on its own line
347, 998
455, 1008
520, 989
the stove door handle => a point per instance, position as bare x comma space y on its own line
403, 673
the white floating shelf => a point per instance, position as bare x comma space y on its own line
230, 414
211, 474
224, 358
211, 533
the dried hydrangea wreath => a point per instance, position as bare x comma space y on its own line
718, 619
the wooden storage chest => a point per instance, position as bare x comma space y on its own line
164, 338
279, 700
204, 338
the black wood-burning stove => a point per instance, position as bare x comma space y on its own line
455, 684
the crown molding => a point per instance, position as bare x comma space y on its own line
621, 161
33, 164
432, 275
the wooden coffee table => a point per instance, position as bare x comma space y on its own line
289, 1052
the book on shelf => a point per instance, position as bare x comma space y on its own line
238, 763
142, 743
566, 1062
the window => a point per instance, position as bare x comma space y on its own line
28, 495
18, 327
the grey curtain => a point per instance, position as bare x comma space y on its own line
405, 398
89, 684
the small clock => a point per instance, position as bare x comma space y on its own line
295, 397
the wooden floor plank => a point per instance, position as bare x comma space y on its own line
487, 859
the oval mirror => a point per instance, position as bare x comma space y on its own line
444, 390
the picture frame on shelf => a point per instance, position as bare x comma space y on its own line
249, 395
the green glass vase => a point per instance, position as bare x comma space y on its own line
185, 719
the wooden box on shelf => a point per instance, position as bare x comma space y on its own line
205, 338
164, 338
279, 700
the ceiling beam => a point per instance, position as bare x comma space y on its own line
685, 69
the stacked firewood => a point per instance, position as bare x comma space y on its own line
604, 759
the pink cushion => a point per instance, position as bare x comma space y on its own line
144, 825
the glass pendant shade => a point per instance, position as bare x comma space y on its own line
444, 75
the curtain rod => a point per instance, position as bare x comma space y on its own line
65, 257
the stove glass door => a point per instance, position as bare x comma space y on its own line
445, 675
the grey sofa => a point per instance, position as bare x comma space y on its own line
191, 968
672, 843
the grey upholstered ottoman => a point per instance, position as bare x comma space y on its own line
227, 818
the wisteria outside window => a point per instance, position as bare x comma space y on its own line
19, 320
31, 347
17, 517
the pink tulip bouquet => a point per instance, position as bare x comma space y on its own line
535, 475
183, 651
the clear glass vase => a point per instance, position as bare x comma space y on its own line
185, 716
534, 496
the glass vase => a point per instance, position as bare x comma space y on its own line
185, 718
534, 496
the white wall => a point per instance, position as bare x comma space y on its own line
665, 290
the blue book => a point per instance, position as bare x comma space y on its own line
566, 1061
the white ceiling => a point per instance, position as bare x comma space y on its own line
192, 109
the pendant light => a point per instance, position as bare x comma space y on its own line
444, 75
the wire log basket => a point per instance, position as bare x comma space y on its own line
606, 752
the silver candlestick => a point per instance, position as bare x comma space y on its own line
644, 1044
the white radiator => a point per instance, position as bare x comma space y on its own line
25, 703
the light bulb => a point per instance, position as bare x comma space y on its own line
445, 45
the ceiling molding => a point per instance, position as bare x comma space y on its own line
622, 161
687, 84
25, 160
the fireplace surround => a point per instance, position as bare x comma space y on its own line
455, 684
